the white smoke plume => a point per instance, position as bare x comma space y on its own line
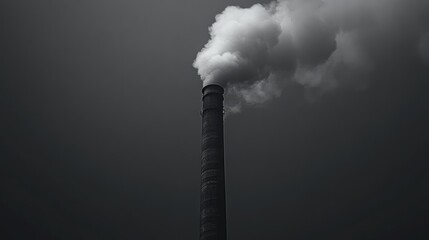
322, 44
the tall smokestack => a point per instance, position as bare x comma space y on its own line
212, 200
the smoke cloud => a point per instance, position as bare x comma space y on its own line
320, 44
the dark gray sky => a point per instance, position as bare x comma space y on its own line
100, 134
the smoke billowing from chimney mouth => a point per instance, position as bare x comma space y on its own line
319, 44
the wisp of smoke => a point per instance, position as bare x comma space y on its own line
319, 44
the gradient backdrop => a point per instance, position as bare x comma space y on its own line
100, 135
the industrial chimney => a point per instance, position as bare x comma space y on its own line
212, 199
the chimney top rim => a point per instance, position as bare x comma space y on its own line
211, 88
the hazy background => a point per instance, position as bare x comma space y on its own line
100, 135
